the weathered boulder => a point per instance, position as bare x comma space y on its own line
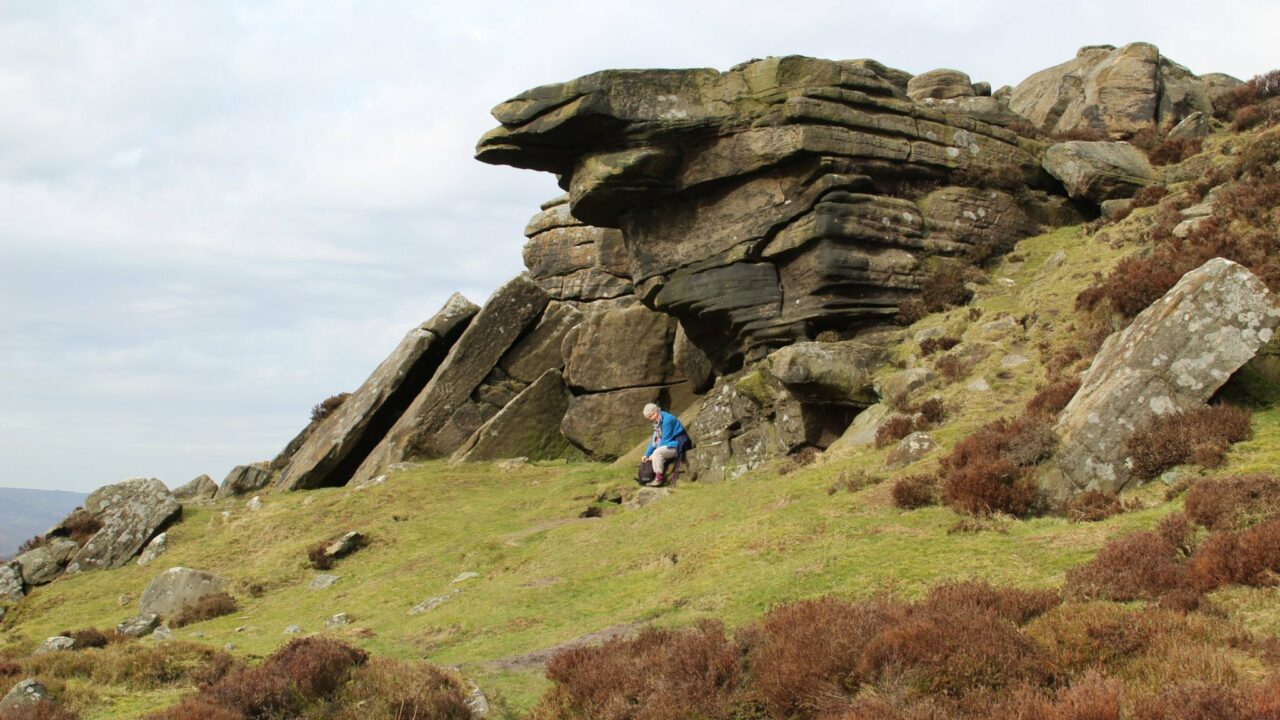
831, 372
528, 426
344, 439
763, 205
26, 693
131, 513
154, 549
899, 386
1218, 83
623, 347
345, 545
1118, 91
991, 110
176, 588
1098, 171
46, 563
244, 479
140, 626
1196, 125
910, 449
941, 84
11, 587
574, 261
57, 643
443, 415
199, 489
1172, 357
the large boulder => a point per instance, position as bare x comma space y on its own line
528, 426
131, 513
829, 373
45, 563
244, 479
623, 347
24, 694
763, 205
11, 587
443, 415
176, 588
344, 439
1098, 171
1118, 91
1172, 357
200, 489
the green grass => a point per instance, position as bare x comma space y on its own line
727, 551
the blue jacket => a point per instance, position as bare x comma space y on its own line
670, 433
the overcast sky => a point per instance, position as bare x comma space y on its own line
213, 215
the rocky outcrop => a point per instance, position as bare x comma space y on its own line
199, 489
572, 260
465, 391
131, 513
45, 563
528, 426
1116, 91
609, 424
11, 587
244, 479
346, 437
177, 588
1172, 357
763, 205
1098, 171
23, 695
941, 84
836, 373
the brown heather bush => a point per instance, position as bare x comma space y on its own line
911, 311
317, 558
803, 656
80, 526
915, 491
1174, 150
953, 367
1200, 435
1139, 566
1246, 557
138, 666
929, 346
89, 638
1149, 195
196, 709
206, 608
1053, 398
32, 543
386, 688
1259, 89
979, 477
894, 429
9, 668
1193, 701
1232, 503
328, 406
933, 411
658, 675
1093, 506
1086, 134
1016, 605
853, 481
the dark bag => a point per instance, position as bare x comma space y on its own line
646, 474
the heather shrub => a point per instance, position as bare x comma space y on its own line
894, 429
206, 608
1139, 566
32, 543
911, 311
1081, 636
853, 481
933, 411
327, 406
979, 477
1174, 150
929, 346
1200, 435
87, 638
255, 693
803, 656
1234, 502
1149, 195
317, 665
80, 526
1192, 701
317, 558
1246, 557
1093, 506
915, 491
386, 688
1053, 398
1013, 604
953, 367
658, 675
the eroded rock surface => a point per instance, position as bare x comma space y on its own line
45, 563
244, 479
1172, 357
765, 204
177, 588
1098, 171
131, 513
199, 489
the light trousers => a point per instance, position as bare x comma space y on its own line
661, 456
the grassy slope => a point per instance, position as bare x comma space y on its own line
726, 551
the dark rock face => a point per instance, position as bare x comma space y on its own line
765, 204
344, 439
528, 426
131, 513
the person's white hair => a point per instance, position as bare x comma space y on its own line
650, 409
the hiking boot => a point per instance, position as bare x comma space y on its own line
658, 480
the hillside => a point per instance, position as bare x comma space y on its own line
1123, 566
24, 513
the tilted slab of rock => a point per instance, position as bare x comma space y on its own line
424, 431
543, 348
45, 563
344, 438
528, 426
1111, 90
244, 479
1099, 171
177, 588
1172, 357
762, 205
131, 513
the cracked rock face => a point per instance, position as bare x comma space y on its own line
763, 205
1173, 357
131, 513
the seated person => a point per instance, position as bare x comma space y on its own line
669, 441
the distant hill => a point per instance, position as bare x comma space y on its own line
24, 513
